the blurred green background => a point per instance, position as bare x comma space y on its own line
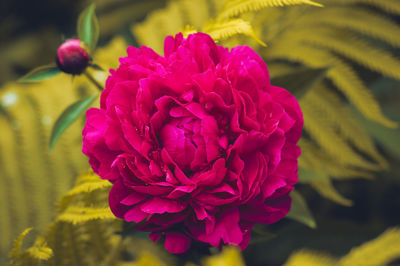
30, 33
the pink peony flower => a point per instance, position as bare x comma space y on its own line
197, 143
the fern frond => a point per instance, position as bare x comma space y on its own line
188, 30
316, 159
391, 6
159, 23
310, 258
236, 7
89, 183
40, 250
222, 30
355, 49
146, 258
100, 238
352, 86
329, 105
277, 69
15, 252
321, 130
229, 256
75, 214
380, 251
341, 74
325, 187
378, 26
26, 164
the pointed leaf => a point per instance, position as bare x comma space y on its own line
323, 185
387, 137
40, 73
299, 210
88, 27
68, 116
220, 30
261, 230
300, 81
15, 252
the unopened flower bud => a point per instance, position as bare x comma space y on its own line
73, 56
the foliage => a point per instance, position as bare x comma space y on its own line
380, 251
69, 115
92, 236
32, 179
67, 239
41, 73
230, 256
336, 37
299, 210
336, 145
88, 27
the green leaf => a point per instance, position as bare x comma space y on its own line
300, 81
40, 73
300, 211
68, 116
260, 235
88, 27
387, 137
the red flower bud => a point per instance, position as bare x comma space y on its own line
73, 56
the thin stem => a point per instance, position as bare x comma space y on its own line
93, 80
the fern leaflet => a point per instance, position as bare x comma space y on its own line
236, 7
223, 30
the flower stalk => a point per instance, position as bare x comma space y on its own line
93, 80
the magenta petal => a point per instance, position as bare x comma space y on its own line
135, 215
176, 242
162, 205
266, 213
155, 236
118, 192
226, 229
133, 199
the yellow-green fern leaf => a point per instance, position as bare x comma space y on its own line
40, 250
230, 256
380, 251
236, 7
15, 252
188, 30
391, 6
342, 75
310, 258
358, 20
379, 60
146, 258
159, 24
222, 30
76, 214
88, 183
317, 160
322, 131
322, 183
326, 189
329, 105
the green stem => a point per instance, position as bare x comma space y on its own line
93, 80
